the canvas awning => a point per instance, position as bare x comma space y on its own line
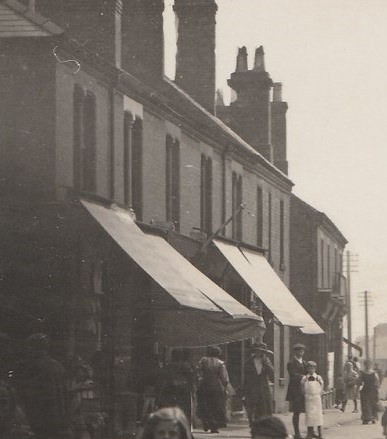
190, 289
269, 288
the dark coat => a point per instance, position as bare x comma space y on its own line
256, 390
294, 394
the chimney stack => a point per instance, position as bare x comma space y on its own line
278, 128
251, 109
241, 63
143, 38
94, 24
195, 58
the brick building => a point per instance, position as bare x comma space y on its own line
93, 134
317, 281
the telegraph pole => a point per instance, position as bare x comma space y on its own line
366, 297
351, 267
349, 317
366, 323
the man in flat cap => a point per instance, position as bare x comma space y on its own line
256, 392
297, 369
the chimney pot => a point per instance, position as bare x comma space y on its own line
277, 92
259, 61
241, 63
219, 98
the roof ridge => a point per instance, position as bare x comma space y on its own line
34, 17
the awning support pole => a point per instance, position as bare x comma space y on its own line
207, 242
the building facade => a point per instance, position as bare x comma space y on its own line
317, 281
90, 123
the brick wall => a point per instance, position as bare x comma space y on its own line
27, 115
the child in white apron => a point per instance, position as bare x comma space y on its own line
312, 387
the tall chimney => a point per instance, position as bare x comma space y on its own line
278, 128
251, 110
143, 38
241, 63
94, 24
195, 58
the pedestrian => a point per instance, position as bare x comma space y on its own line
356, 364
41, 384
269, 427
379, 371
384, 422
297, 370
313, 387
256, 392
12, 422
177, 384
211, 392
167, 423
350, 386
369, 393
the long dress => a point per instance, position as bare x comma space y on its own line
369, 395
350, 384
256, 390
312, 386
211, 393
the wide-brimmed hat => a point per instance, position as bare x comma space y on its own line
299, 346
261, 347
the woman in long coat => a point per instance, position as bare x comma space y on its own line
211, 393
369, 393
256, 388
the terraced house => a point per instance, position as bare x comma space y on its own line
134, 219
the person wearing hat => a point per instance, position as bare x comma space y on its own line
255, 388
297, 369
41, 384
269, 427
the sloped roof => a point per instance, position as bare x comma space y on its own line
320, 218
18, 20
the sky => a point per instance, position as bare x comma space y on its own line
331, 58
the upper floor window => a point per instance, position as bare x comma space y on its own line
172, 185
269, 226
322, 266
282, 233
259, 217
329, 265
237, 200
85, 148
136, 168
206, 194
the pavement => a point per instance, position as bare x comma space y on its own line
333, 420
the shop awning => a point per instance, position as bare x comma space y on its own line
269, 288
190, 289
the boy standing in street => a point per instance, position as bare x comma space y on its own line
312, 387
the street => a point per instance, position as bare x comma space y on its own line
354, 430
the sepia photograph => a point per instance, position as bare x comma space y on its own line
192, 219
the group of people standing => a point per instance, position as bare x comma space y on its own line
367, 383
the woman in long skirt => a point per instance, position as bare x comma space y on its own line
211, 393
369, 393
350, 386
